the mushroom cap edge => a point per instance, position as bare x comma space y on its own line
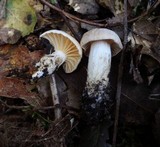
73, 40
101, 34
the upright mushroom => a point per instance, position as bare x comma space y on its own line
67, 52
100, 44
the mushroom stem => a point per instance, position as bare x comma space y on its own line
95, 99
49, 63
55, 98
99, 62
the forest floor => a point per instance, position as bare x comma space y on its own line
47, 111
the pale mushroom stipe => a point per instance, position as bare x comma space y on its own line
100, 45
67, 51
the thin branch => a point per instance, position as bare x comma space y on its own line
13, 107
68, 23
119, 80
72, 17
25, 107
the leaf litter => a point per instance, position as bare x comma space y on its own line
21, 49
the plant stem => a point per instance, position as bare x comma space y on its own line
119, 80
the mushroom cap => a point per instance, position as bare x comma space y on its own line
101, 34
68, 45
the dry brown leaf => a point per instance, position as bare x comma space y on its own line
18, 88
145, 34
21, 16
145, 29
17, 58
16, 66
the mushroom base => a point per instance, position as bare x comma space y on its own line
96, 102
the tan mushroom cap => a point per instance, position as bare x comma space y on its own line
68, 45
101, 34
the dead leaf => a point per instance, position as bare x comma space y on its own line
17, 63
17, 58
20, 16
18, 88
145, 33
145, 29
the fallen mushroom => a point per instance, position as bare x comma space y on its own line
67, 52
101, 44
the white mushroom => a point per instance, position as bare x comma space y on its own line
101, 44
67, 52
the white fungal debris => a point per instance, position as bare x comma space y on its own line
48, 64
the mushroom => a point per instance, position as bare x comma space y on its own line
100, 44
67, 52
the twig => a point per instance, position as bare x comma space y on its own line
49, 135
25, 107
55, 98
68, 23
119, 80
13, 107
145, 13
44, 139
72, 17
